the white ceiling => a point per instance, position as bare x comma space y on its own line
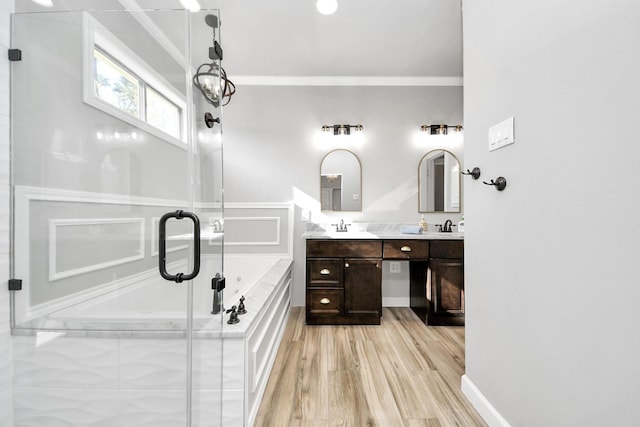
406, 38
363, 38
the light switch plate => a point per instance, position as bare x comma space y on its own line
501, 134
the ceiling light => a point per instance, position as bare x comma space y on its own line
327, 7
190, 5
45, 3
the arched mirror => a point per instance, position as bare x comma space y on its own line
439, 182
340, 181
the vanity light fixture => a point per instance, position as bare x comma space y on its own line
440, 129
342, 129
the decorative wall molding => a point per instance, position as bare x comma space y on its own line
155, 251
56, 224
348, 81
23, 197
256, 211
248, 219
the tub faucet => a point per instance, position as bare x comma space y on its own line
217, 284
233, 317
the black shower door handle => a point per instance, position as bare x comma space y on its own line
162, 243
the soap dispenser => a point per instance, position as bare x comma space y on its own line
423, 224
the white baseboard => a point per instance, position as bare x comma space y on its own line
395, 301
486, 410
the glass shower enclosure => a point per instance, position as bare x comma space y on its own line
117, 220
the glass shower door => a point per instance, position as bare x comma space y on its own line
108, 136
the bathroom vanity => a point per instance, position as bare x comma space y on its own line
344, 276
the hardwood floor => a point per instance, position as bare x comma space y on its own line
401, 373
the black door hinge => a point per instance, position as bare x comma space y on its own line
15, 284
15, 55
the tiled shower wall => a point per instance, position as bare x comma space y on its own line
6, 351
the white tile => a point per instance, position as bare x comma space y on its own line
4, 219
5, 160
6, 391
36, 407
208, 358
4, 294
5, 27
207, 407
75, 363
153, 364
152, 408
4, 82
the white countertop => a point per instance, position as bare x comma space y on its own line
377, 235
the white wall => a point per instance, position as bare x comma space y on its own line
6, 347
550, 264
273, 147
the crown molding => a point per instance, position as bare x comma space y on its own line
247, 80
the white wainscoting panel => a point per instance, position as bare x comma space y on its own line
103, 231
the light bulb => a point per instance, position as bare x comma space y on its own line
327, 7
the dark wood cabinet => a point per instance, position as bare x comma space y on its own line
344, 282
445, 283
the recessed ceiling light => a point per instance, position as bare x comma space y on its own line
327, 7
190, 5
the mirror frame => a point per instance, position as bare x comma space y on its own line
459, 182
360, 177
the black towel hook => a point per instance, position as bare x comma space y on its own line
475, 173
500, 183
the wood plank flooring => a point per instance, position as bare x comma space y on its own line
401, 373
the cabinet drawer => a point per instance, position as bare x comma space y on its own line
447, 249
344, 248
406, 249
325, 272
325, 302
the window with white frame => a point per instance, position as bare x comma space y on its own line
120, 83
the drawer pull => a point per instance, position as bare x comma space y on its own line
325, 272
405, 249
346, 264
325, 301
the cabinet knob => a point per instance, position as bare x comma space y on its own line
405, 249
325, 272
325, 301
346, 264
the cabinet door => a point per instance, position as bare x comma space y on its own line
446, 304
363, 287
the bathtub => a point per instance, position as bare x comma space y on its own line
146, 320
156, 304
